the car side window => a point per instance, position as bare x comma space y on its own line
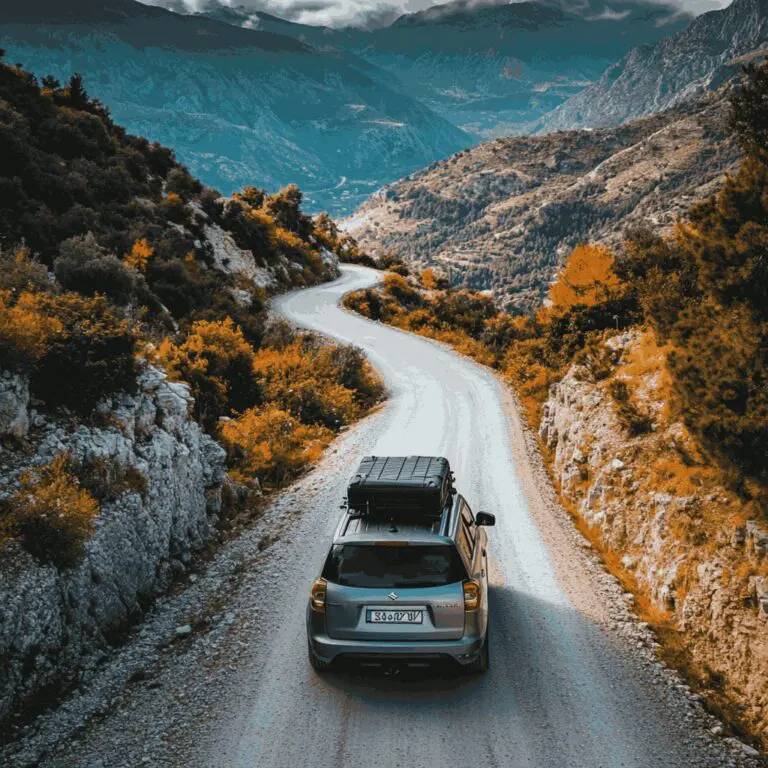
465, 542
468, 520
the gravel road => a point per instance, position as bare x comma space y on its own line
574, 680
560, 692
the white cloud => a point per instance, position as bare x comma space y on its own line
372, 13
610, 15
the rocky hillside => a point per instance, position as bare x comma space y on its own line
644, 376
157, 478
651, 78
689, 542
139, 374
236, 104
504, 215
491, 68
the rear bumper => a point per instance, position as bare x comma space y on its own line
328, 649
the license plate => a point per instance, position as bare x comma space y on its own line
373, 616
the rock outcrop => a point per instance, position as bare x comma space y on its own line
694, 547
53, 621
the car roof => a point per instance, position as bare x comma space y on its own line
355, 528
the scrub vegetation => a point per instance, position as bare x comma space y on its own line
702, 293
111, 259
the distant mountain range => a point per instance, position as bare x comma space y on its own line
654, 77
253, 99
239, 106
492, 68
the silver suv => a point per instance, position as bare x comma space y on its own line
406, 578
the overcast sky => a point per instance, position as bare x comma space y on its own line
337, 13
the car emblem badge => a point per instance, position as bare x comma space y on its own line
393, 596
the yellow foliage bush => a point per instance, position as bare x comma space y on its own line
587, 278
272, 445
25, 331
304, 382
429, 279
217, 361
77, 349
51, 513
398, 287
141, 253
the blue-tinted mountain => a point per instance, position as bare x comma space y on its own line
653, 77
490, 68
239, 106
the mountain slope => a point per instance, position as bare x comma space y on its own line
134, 330
652, 78
505, 214
492, 68
236, 104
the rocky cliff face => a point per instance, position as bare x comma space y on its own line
655, 77
692, 545
54, 624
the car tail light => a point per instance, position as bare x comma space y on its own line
317, 595
471, 595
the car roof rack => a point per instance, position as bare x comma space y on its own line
403, 487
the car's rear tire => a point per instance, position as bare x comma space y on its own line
483, 660
318, 665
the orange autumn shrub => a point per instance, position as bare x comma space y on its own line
141, 253
272, 445
587, 278
400, 289
50, 513
308, 382
76, 349
429, 279
217, 361
25, 331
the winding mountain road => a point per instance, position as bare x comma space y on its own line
562, 691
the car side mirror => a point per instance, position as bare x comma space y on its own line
485, 518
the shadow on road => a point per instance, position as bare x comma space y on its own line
553, 671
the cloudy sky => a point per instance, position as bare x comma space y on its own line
338, 13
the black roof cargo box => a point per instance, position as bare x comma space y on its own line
401, 484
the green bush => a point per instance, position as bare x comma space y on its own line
20, 272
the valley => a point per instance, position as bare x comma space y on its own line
286, 103
550, 269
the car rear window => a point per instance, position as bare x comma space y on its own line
367, 565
